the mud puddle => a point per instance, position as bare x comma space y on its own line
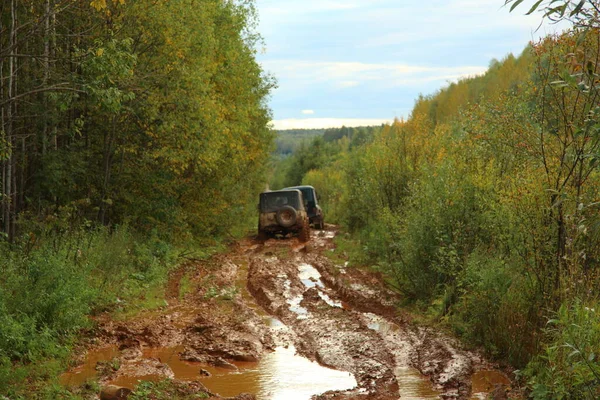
89, 369
311, 278
485, 381
412, 384
280, 375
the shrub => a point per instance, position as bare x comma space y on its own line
49, 288
568, 367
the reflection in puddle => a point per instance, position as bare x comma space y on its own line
281, 375
274, 323
484, 382
294, 302
311, 278
380, 324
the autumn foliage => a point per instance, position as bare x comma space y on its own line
482, 208
133, 134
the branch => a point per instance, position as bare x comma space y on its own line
40, 90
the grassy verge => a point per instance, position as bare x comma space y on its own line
53, 284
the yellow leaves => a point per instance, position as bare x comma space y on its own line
99, 52
98, 4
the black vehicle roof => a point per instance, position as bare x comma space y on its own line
282, 190
300, 187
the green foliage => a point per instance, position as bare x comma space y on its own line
289, 140
151, 114
150, 128
329, 185
322, 151
568, 368
164, 390
579, 12
51, 283
481, 208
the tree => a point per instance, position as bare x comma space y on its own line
582, 13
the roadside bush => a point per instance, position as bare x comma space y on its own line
496, 308
447, 217
51, 284
568, 367
329, 184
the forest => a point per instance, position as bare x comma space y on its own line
135, 136
126, 130
483, 207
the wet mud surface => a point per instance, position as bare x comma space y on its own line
279, 320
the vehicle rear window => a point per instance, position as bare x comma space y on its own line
275, 200
308, 194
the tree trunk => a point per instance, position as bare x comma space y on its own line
8, 216
46, 65
107, 166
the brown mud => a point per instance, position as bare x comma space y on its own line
280, 320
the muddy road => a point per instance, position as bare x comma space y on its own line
281, 320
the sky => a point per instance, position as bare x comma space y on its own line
364, 62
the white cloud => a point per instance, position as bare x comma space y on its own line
308, 112
347, 84
316, 123
342, 75
368, 58
293, 8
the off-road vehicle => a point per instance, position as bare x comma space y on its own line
315, 214
283, 211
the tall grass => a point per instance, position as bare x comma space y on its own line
52, 282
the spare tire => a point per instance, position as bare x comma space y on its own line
286, 216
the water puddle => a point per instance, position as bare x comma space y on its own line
240, 284
484, 382
281, 375
413, 385
380, 324
327, 234
80, 374
311, 278
274, 323
294, 301
182, 370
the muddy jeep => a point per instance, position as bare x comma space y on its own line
315, 213
283, 211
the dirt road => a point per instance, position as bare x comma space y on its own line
280, 320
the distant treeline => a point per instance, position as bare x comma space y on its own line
290, 140
313, 149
